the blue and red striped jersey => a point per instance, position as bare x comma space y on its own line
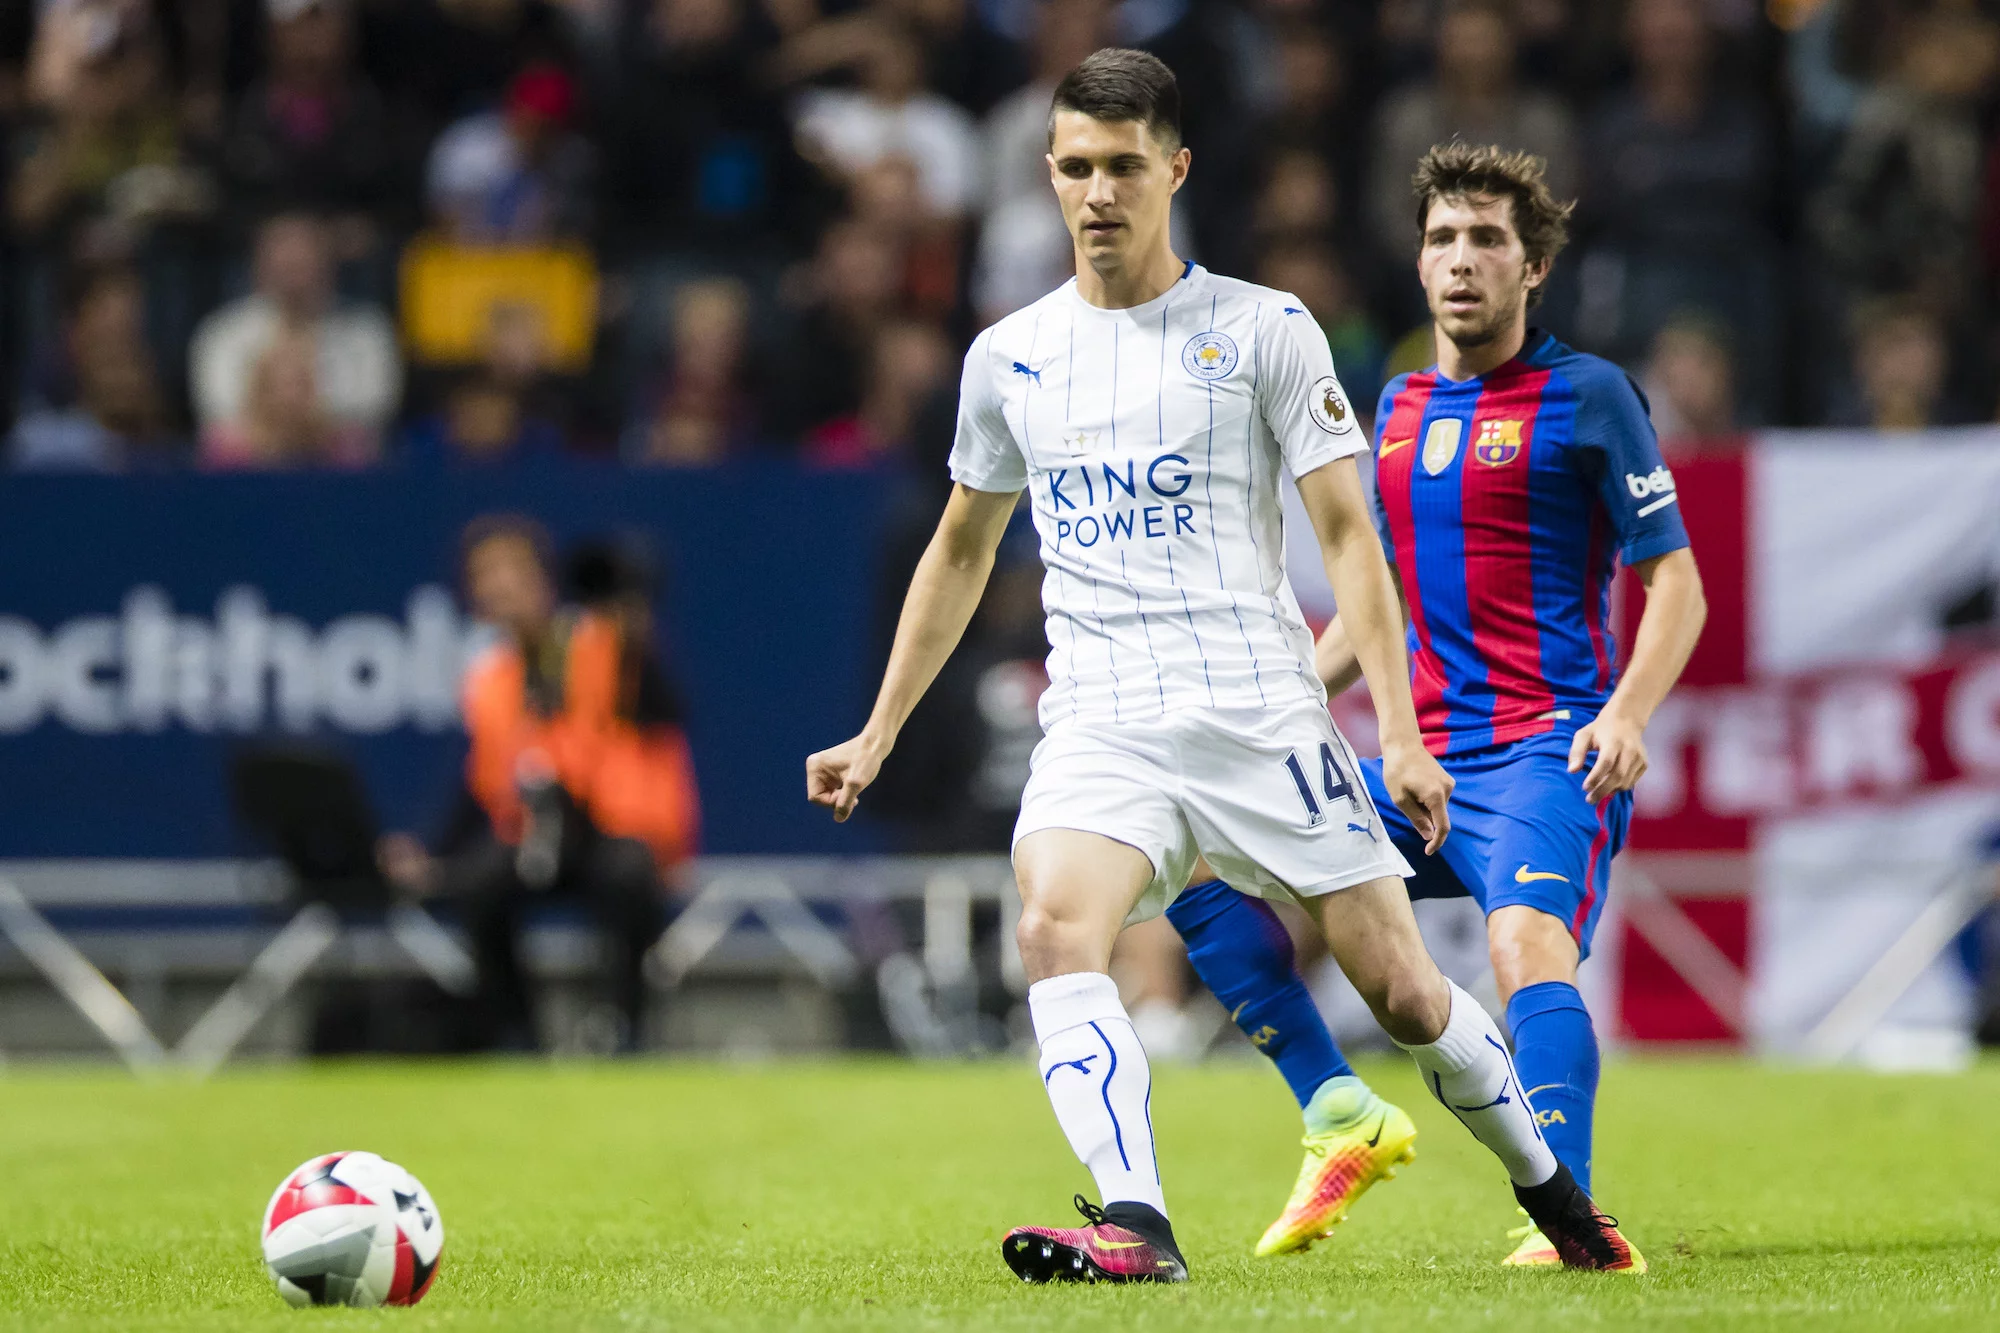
1505, 503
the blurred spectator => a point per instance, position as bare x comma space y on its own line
1989, 225
1678, 185
698, 151
887, 199
1024, 248
706, 111
519, 174
452, 56
102, 409
1824, 90
359, 372
283, 422
1025, 253
909, 363
1901, 360
579, 768
891, 113
852, 287
1297, 195
107, 146
1309, 268
508, 410
1543, 27
1016, 131
311, 133
965, 57
1473, 96
1312, 84
703, 410
1690, 381
1313, 108
1899, 210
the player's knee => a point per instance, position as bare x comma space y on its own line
1528, 946
1044, 939
1412, 1005
1057, 938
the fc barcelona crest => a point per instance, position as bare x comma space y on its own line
1441, 444
1499, 443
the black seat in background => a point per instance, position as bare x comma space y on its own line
309, 806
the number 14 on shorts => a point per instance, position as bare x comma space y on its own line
1332, 780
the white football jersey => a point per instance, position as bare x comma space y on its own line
1152, 441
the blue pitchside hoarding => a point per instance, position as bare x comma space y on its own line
150, 625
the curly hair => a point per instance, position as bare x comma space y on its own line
1461, 171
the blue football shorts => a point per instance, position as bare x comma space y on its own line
1521, 832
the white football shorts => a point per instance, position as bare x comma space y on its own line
1273, 797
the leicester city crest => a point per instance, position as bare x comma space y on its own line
1441, 444
1210, 355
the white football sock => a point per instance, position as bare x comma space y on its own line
1468, 1069
1098, 1082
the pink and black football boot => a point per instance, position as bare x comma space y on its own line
1583, 1237
1126, 1242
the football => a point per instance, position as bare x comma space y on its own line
351, 1229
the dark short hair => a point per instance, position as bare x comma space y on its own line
1117, 84
1461, 171
507, 527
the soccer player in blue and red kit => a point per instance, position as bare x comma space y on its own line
1512, 477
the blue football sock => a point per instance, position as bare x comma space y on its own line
1243, 953
1555, 1053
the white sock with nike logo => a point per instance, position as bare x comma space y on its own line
1468, 1069
1096, 1075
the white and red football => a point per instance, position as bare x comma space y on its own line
351, 1229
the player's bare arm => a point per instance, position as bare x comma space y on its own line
1675, 612
1334, 657
1366, 592
944, 592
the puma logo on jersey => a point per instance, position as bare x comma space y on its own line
1034, 375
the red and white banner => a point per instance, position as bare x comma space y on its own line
1832, 758
1790, 746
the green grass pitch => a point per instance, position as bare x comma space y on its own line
872, 1194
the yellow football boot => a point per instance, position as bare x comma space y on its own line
1340, 1165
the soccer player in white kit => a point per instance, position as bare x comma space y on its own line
1149, 408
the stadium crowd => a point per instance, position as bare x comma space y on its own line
247, 234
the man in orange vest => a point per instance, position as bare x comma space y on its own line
579, 766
